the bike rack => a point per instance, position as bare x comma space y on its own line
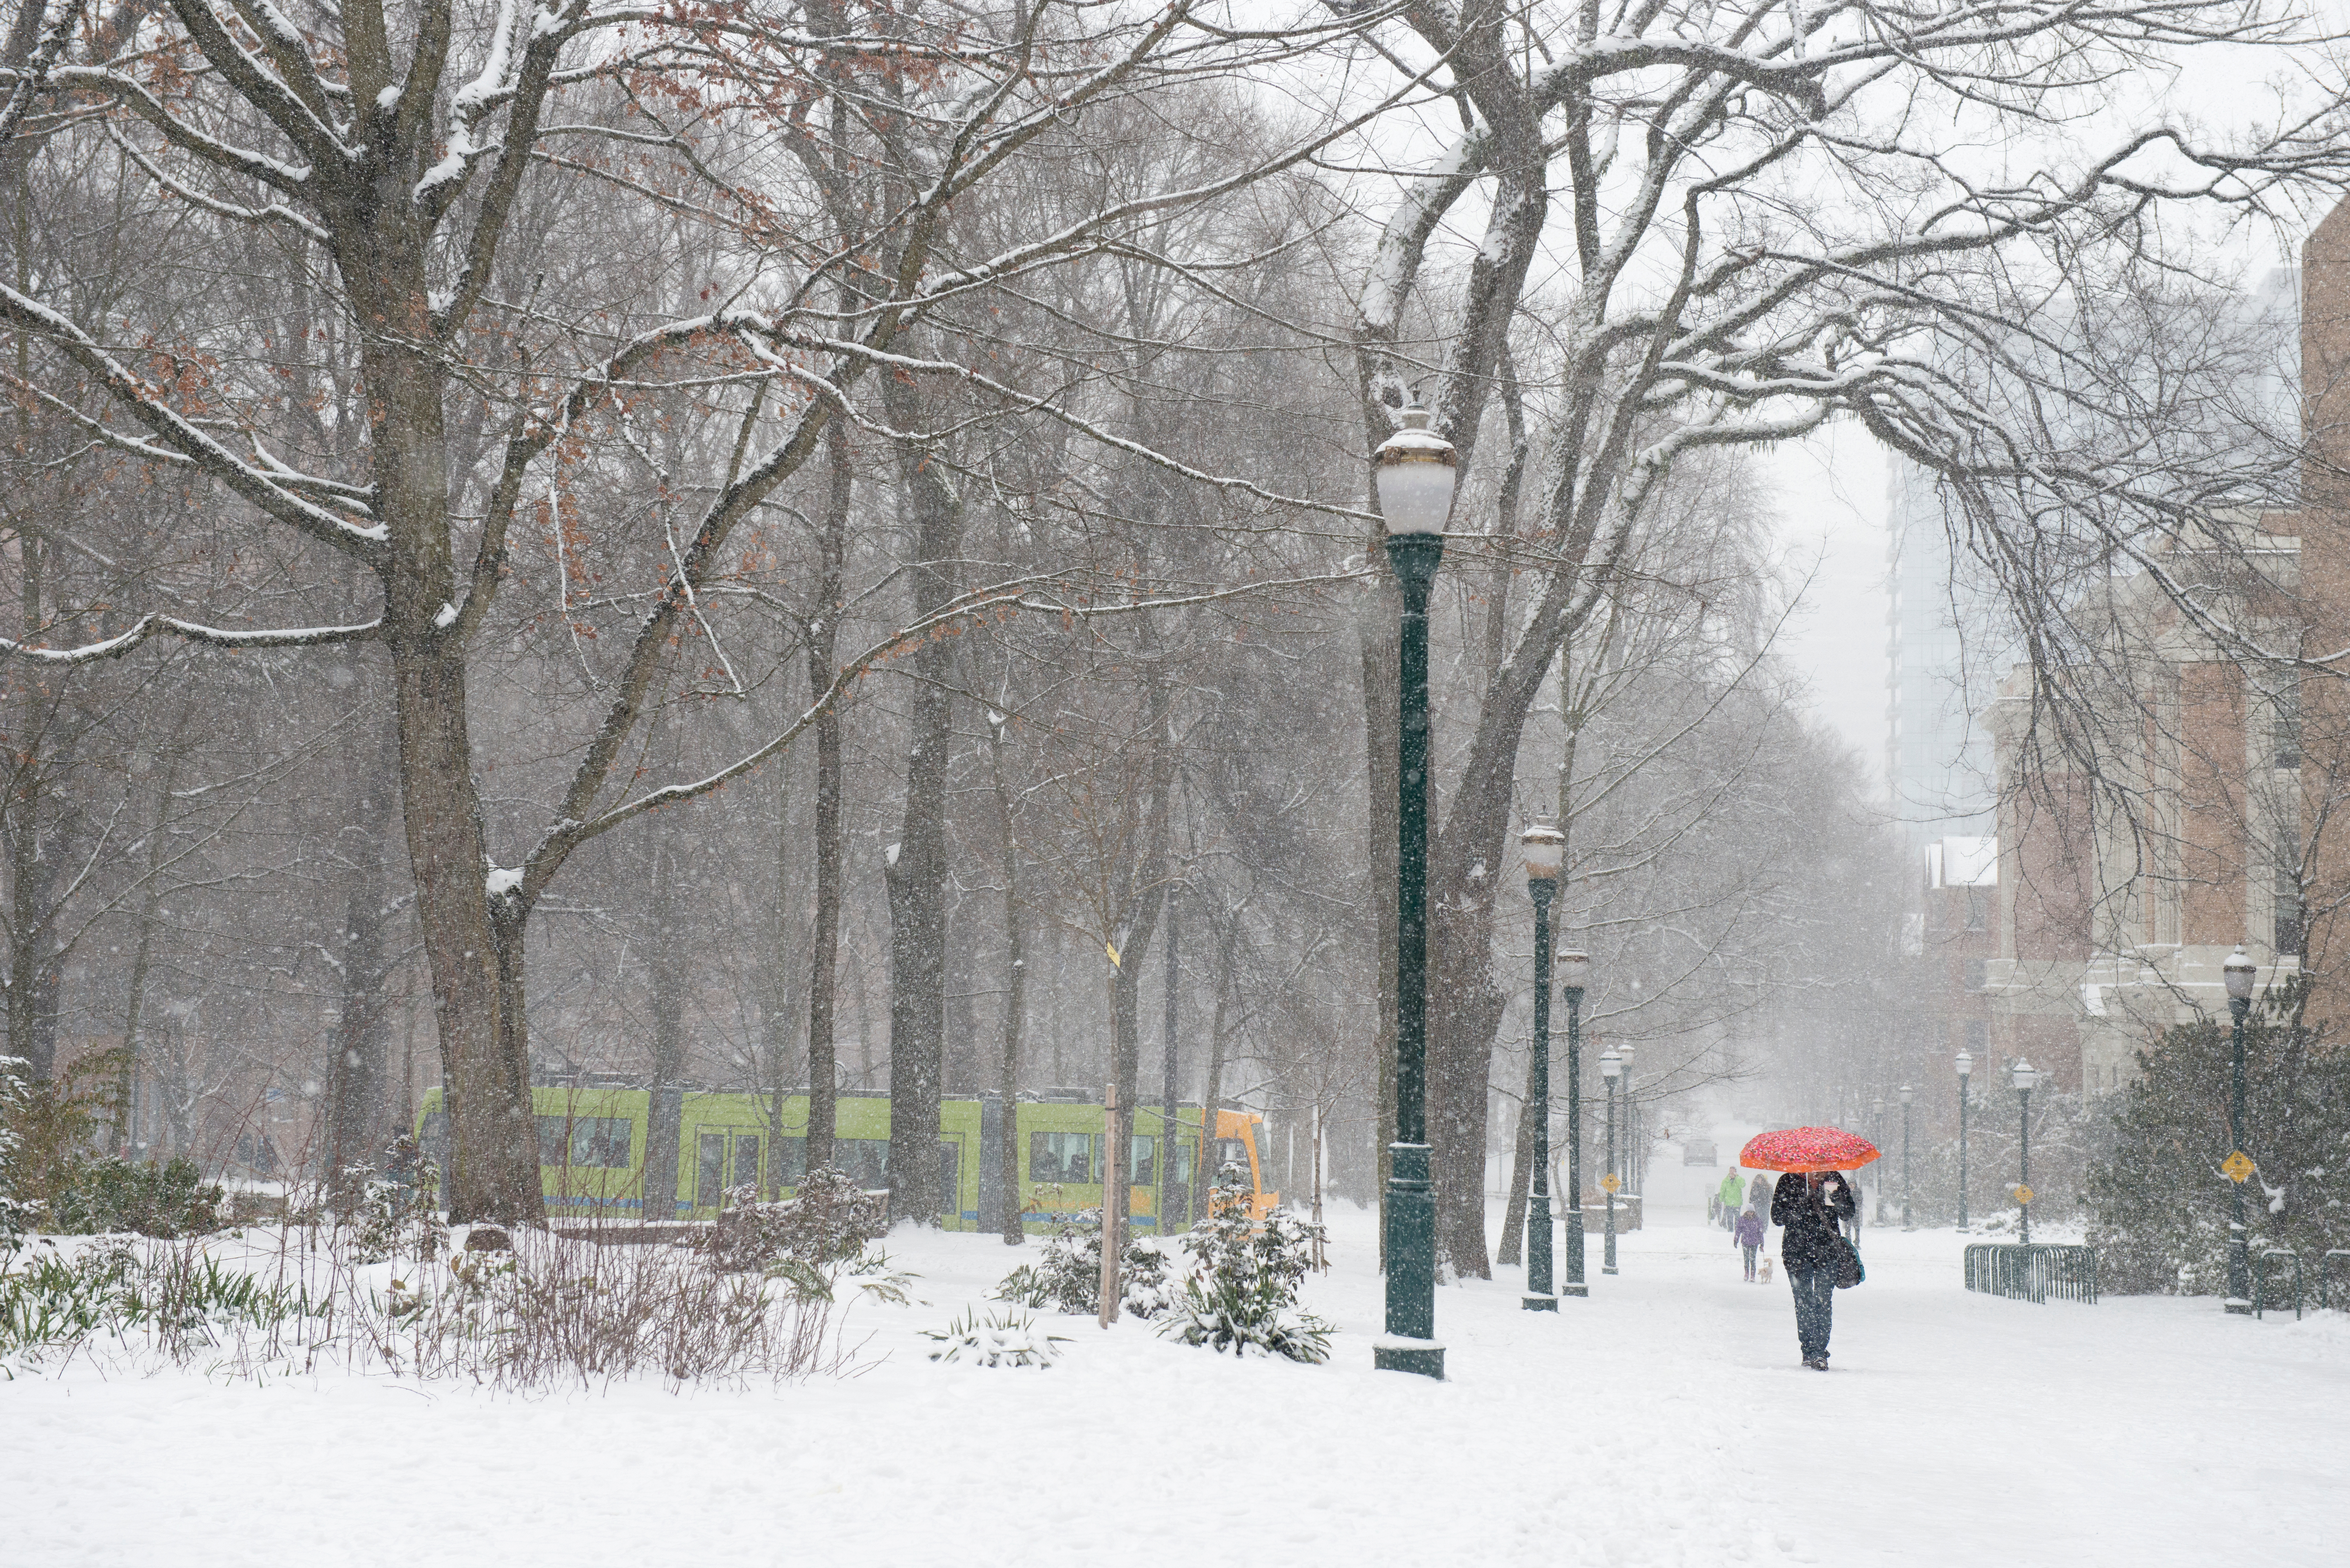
2260, 1278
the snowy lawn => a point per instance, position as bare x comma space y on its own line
1664, 1421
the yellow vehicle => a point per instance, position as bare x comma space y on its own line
594, 1141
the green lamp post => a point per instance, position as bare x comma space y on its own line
1966, 1065
1414, 471
2240, 972
1573, 976
1545, 853
1611, 1071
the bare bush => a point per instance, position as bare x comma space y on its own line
552, 1312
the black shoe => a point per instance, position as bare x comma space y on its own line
1816, 1362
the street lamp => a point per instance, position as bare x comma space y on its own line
2238, 971
1573, 976
1907, 1095
1545, 852
1611, 1069
2023, 1076
1628, 1167
1414, 471
1966, 1065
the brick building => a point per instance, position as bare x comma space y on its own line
2207, 801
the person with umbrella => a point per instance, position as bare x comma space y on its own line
1811, 1200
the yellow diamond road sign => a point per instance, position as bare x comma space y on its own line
2239, 1166
1610, 1183
2022, 1194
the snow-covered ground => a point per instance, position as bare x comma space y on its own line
1664, 1421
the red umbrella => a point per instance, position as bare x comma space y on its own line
1807, 1148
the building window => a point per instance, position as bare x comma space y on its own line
1978, 1039
2284, 728
1978, 910
2287, 936
1974, 975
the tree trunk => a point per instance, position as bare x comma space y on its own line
494, 1146
1382, 744
1171, 1090
28, 867
355, 1074
1521, 1165
1203, 1170
824, 946
1015, 1001
917, 867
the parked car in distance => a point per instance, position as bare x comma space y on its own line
1698, 1151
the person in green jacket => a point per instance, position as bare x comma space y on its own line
1732, 1197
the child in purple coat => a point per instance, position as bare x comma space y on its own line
1749, 1235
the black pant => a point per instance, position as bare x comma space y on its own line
1814, 1308
1749, 1252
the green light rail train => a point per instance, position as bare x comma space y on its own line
593, 1143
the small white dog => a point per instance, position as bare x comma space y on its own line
1766, 1271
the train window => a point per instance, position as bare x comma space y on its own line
1146, 1160
1233, 1151
599, 1143
864, 1160
791, 1161
1064, 1156
710, 1171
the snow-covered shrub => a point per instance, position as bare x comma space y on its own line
2159, 1205
1066, 1276
989, 1340
97, 1196
393, 1217
17, 1212
830, 1223
1242, 1293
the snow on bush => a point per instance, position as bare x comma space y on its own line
2160, 1204
831, 1222
17, 1213
1068, 1276
1242, 1293
989, 1340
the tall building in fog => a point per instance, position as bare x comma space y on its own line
1939, 671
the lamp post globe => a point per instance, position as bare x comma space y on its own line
1413, 472
1574, 979
1966, 1065
2238, 974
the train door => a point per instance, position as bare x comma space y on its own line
950, 1179
725, 1158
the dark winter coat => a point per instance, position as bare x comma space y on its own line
1809, 1242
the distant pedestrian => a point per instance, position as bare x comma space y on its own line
1749, 1235
1809, 1204
1759, 1195
1726, 1201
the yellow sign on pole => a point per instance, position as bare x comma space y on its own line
1609, 1183
2023, 1193
2238, 1166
